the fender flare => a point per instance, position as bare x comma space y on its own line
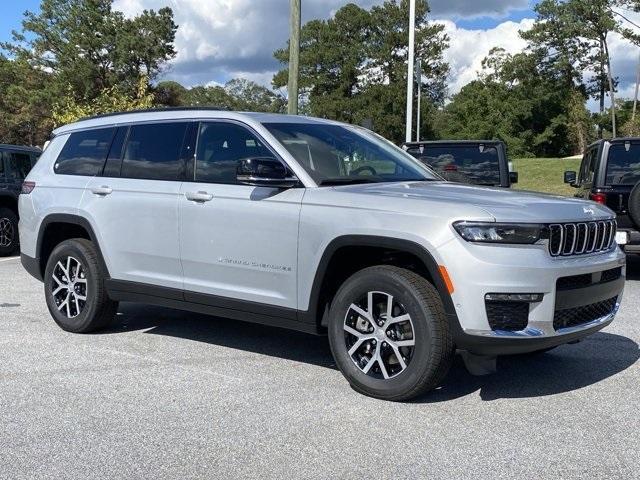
74, 220
385, 242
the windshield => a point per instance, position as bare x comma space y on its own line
476, 163
336, 154
623, 165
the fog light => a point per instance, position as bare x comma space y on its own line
514, 297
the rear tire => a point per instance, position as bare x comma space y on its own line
381, 315
74, 288
9, 239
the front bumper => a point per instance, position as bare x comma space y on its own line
477, 270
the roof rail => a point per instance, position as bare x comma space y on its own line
151, 110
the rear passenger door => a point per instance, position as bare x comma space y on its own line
133, 201
237, 241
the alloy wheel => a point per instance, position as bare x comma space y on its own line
379, 335
7, 232
69, 288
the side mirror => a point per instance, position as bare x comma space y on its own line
264, 172
570, 178
513, 177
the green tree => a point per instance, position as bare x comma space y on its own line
25, 103
111, 99
353, 66
88, 45
574, 36
515, 102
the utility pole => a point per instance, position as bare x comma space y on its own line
412, 36
419, 80
635, 97
294, 57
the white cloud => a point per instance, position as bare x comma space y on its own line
220, 39
475, 8
469, 47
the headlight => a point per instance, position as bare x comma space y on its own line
515, 233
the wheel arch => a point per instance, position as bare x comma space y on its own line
322, 291
58, 227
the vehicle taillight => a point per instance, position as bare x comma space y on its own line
598, 198
27, 188
450, 168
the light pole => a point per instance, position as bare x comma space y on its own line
412, 34
419, 80
294, 57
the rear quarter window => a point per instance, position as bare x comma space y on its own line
84, 153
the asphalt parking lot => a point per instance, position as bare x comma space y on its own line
166, 394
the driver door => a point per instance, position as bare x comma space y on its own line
238, 242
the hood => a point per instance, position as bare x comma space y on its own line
505, 205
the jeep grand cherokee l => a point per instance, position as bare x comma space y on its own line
317, 226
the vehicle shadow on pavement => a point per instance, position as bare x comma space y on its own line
566, 368
250, 337
563, 369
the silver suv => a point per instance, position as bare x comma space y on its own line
317, 226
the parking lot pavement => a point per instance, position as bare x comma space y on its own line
166, 394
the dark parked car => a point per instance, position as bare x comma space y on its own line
610, 175
480, 162
15, 164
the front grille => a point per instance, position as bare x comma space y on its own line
572, 317
588, 279
581, 238
510, 316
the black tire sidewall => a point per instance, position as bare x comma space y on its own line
83, 322
422, 318
15, 244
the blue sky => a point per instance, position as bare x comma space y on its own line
222, 39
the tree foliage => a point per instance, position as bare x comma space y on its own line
86, 44
112, 99
353, 66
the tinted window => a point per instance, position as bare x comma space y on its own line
337, 154
114, 160
2, 156
153, 151
84, 153
19, 165
623, 164
220, 147
477, 164
587, 169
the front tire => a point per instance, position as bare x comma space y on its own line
9, 240
74, 288
389, 333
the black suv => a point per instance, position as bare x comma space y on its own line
480, 162
15, 164
610, 175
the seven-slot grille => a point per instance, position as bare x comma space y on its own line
581, 238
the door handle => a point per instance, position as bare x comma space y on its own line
102, 191
199, 197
